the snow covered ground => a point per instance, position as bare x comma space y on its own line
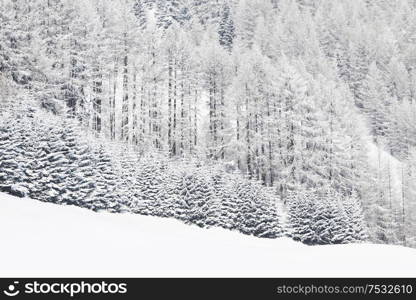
42, 239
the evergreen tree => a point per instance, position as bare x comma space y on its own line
226, 28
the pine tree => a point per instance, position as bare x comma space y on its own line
376, 101
226, 28
357, 230
172, 11
141, 10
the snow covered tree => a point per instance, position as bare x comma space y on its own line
226, 28
190, 108
321, 217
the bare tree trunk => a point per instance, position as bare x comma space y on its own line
113, 103
222, 121
97, 90
196, 118
155, 114
263, 172
269, 144
170, 107
215, 120
125, 104
73, 74
331, 150
248, 140
156, 121
182, 122
256, 130
211, 119
175, 93
238, 136
190, 143
143, 115
134, 110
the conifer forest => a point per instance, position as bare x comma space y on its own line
272, 118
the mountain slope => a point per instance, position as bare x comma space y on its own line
43, 239
271, 90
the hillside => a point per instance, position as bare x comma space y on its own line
47, 240
270, 118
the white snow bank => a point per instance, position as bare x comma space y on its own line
46, 240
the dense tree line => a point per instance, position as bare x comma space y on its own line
49, 160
